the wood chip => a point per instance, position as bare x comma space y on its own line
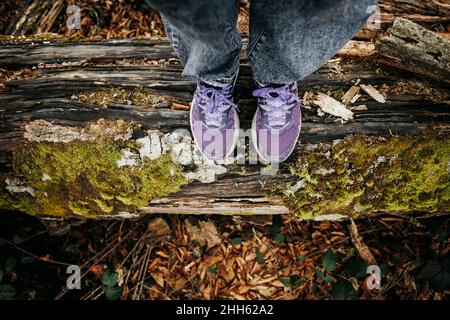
355, 98
363, 250
348, 96
372, 92
361, 107
332, 106
179, 106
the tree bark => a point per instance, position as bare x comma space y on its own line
64, 156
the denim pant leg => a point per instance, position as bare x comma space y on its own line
290, 39
204, 36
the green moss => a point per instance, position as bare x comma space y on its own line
362, 175
338, 94
82, 178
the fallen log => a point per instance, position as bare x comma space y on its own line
66, 157
410, 47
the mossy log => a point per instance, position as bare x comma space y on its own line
413, 48
98, 139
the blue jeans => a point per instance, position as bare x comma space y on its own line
289, 39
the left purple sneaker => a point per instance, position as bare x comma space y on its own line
276, 124
214, 120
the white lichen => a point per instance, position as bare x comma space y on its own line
206, 170
179, 143
293, 189
150, 145
330, 217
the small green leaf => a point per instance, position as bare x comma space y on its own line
285, 281
296, 281
7, 292
112, 293
343, 290
279, 239
384, 270
10, 263
109, 278
259, 257
236, 240
329, 261
356, 268
276, 225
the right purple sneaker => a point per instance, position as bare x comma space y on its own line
214, 120
276, 124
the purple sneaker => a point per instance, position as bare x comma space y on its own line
277, 122
214, 120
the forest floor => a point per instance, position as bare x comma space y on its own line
183, 257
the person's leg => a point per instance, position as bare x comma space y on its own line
204, 36
290, 39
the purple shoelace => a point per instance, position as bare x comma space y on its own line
277, 103
214, 102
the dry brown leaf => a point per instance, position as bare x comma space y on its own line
266, 291
159, 279
210, 233
158, 228
350, 94
194, 234
179, 106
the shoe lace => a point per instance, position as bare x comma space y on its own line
215, 103
276, 103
